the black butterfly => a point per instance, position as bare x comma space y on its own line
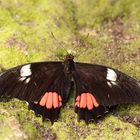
46, 86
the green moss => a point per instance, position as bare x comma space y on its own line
15, 56
104, 10
104, 32
17, 121
112, 128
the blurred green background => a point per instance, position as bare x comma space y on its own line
99, 31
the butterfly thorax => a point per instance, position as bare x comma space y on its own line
68, 64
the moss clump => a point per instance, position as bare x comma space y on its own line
104, 32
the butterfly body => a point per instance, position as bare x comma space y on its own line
46, 86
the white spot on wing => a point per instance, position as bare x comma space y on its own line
111, 75
27, 80
109, 84
1, 74
25, 71
114, 83
138, 83
22, 78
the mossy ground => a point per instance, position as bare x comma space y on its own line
104, 32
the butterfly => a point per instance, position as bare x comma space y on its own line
46, 87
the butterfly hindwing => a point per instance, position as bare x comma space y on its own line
98, 88
43, 84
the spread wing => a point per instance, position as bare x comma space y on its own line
43, 84
99, 87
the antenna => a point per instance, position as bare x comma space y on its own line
80, 42
60, 53
58, 42
74, 50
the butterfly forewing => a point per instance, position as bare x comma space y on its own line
110, 86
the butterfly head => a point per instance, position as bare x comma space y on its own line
69, 57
